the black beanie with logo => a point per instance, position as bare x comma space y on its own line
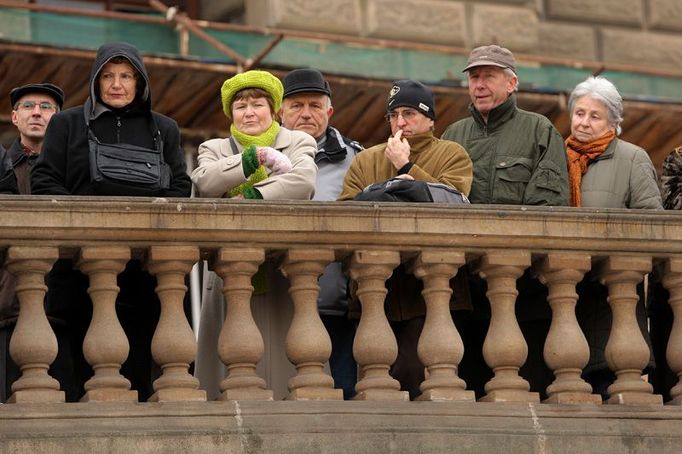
410, 93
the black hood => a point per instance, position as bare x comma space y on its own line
105, 53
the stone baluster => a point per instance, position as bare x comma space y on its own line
33, 346
504, 349
240, 345
375, 347
566, 350
308, 343
627, 353
174, 346
440, 347
672, 281
105, 345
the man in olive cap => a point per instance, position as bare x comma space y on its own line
519, 159
307, 107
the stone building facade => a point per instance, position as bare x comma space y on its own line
631, 32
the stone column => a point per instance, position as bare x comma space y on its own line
174, 346
33, 346
240, 345
440, 347
672, 281
308, 343
566, 350
504, 348
375, 347
105, 345
627, 353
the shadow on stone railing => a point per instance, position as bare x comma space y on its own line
433, 241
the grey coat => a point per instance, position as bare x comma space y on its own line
622, 177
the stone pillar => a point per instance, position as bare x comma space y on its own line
627, 353
566, 350
673, 282
33, 346
105, 345
504, 348
375, 347
174, 346
308, 343
240, 345
440, 347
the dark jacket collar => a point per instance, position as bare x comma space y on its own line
332, 146
17, 155
497, 116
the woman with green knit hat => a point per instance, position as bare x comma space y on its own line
261, 159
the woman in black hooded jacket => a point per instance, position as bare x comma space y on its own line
118, 111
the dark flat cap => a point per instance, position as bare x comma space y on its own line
492, 55
305, 80
51, 90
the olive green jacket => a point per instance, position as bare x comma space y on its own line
519, 157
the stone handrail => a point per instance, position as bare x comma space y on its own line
500, 242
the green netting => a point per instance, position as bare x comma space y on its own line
331, 57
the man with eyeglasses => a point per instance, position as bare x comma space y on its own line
32, 108
412, 153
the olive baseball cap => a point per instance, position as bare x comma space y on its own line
492, 55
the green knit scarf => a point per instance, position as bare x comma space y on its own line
249, 143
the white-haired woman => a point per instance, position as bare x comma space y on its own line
607, 172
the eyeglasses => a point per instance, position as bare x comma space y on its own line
406, 114
45, 106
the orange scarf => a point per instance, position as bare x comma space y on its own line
580, 155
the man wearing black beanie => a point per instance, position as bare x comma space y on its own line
412, 153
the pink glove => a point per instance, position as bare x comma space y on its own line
274, 160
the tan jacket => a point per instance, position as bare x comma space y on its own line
220, 170
435, 161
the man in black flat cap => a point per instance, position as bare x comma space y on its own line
32, 108
307, 107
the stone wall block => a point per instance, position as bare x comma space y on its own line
567, 41
432, 21
665, 14
628, 12
338, 16
512, 27
642, 48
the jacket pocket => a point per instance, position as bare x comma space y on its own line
548, 177
512, 174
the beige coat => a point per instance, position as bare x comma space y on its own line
220, 170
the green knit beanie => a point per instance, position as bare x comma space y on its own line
251, 79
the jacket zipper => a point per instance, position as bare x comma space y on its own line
118, 129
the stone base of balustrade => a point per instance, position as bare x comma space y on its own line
178, 394
246, 394
635, 399
382, 394
315, 394
675, 401
447, 395
110, 395
36, 396
506, 395
573, 398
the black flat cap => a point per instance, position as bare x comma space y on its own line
305, 80
51, 90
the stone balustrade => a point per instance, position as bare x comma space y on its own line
500, 243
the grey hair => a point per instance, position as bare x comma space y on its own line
600, 89
510, 73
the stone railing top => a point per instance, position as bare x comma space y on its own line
210, 223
